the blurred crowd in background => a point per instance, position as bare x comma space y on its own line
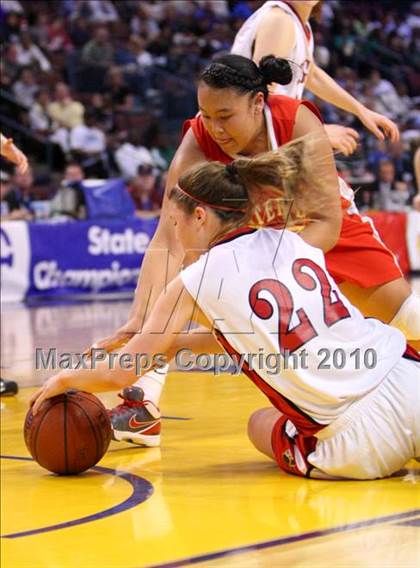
100, 89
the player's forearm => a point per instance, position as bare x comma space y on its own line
198, 340
103, 378
324, 87
160, 265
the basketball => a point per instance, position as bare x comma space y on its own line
69, 434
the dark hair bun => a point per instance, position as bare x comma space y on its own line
275, 70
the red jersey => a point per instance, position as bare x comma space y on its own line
283, 112
359, 246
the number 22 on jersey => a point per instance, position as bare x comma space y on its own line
291, 339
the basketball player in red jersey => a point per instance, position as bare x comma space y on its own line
237, 117
282, 28
358, 420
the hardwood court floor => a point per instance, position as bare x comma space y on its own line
206, 497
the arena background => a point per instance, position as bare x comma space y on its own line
126, 72
95, 93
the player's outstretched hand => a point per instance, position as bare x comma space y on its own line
342, 138
52, 387
379, 125
116, 340
12, 153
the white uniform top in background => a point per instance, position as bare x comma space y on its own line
300, 56
299, 298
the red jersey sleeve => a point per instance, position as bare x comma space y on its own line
283, 110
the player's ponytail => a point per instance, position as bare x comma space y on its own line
250, 191
242, 74
275, 70
277, 183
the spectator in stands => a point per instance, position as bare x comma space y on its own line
11, 23
101, 11
103, 115
116, 88
137, 45
366, 201
79, 32
131, 154
26, 87
88, 145
143, 189
58, 38
143, 22
29, 54
158, 146
392, 195
39, 30
6, 83
39, 118
99, 51
9, 61
19, 196
384, 91
66, 113
69, 200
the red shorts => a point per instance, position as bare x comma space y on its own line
360, 257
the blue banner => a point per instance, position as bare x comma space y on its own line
87, 256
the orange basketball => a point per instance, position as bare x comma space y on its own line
70, 433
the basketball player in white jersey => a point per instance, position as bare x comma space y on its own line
347, 406
283, 29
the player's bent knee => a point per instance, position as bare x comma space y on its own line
260, 427
407, 319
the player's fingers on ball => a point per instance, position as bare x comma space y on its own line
36, 402
36, 405
33, 398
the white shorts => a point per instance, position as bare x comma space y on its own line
378, 434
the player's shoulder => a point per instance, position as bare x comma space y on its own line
189, 151
282, 105
277, 12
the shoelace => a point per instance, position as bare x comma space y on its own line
128, 403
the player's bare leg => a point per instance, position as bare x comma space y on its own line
260, 428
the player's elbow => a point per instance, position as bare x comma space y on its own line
332, 232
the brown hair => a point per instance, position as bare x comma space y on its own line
247, 186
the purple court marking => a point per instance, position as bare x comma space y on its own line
410, 523
174, 418
142, 490
284, 540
